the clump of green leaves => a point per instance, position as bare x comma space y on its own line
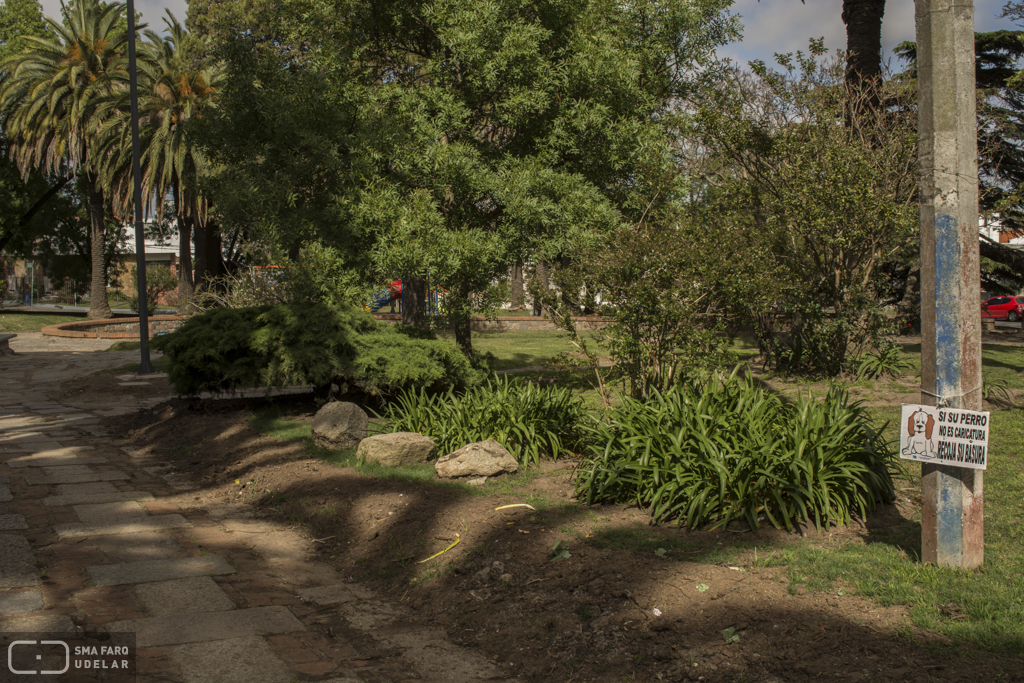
885, 360
709, 452
227, 349
530, 421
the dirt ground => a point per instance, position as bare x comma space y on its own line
606, 613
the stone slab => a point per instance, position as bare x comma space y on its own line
43, 623
5, 494
158, 570
107, 512
114, 475
20, 603
5, 480
146, 545
92, 487
57, 470
114, 496
202, 627
133, 384
154, 523
236, 660
12, 523
55, 457
194, 594
17, 563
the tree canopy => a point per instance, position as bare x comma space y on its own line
452, 137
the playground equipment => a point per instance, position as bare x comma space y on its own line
393, 292
435, 304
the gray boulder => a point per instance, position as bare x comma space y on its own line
339, 425
397, 449
480, 459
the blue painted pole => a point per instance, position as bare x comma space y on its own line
952, 531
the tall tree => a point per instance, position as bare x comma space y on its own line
177, 81
50, 95
22, 198
458, 138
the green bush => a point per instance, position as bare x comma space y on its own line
226, 349
707, 453
529, 420
887, 359
159, 281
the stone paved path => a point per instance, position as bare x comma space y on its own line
94, 538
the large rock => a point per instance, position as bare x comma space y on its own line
480, 459
397, 449
339, 425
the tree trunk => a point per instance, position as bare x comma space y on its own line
517, 295
414, 294
184, 262
540, 286
863, 19
99, 306
214, 255
464, 335
199, 281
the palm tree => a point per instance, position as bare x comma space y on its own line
863, 19
175, 85
50, 93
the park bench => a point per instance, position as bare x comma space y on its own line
5, 348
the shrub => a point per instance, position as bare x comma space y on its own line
887, 359
707, 453
226, 349
529, 420
395, 357
159, 281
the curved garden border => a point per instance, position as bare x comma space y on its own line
112, 328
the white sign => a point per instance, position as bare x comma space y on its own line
944, 436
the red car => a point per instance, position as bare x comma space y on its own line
1003, 308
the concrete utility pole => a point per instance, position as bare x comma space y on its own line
953, 519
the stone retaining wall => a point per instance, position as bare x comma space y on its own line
113, 328
515, 322
128, 328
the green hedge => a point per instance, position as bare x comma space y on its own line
224, 350
707, 453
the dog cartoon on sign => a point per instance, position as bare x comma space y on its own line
920, 426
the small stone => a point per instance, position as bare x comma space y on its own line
339, 425
481, 459
397, 449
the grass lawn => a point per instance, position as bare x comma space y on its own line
516, 349
985, 606
32, 322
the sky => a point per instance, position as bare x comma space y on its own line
770, 26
